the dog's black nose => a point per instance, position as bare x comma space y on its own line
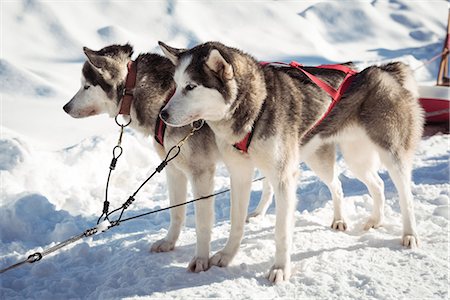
67, 107
164, 114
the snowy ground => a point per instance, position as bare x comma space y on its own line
53, 168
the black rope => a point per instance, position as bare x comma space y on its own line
181, 204
37, 256
171, 154
102, 227
117, 152
89, 232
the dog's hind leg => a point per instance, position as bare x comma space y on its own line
264, 202
177, 186
363, 160
400, 168
202, 185
322, 162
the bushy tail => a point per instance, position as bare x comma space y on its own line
413, 112
404, 75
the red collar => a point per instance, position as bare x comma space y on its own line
243, 145
127, 99
335, 95
160, 127
130, 82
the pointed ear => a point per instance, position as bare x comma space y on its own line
95, 59
171, 53
219, 65
128, 49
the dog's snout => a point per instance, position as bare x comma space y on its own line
164, 114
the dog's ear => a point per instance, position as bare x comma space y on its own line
171, 53
219, 65
128, 49
97, 60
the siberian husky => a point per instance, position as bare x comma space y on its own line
102, 86
378, 120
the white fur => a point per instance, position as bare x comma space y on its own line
186, 107
264, 202
241, 171
364, 159
91, 101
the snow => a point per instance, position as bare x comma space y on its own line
53, 168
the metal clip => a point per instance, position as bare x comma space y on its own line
124, 124
195, 126
119, 142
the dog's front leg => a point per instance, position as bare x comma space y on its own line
241, 171
177, 186
203, 184
285, 186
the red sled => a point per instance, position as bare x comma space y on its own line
436, 102
436, 99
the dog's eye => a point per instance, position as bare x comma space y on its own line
86, 87
190, 87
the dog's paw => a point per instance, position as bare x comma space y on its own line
220, 259
279, 274
254, 215
198, 264
372, 223
410, 241
162, 245
339, 225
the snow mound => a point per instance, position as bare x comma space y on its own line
33, 221
112, 34
19, 82
340, 23
12, 153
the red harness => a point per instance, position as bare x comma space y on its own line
160, 127
335, 94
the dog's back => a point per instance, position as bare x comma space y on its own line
382, 100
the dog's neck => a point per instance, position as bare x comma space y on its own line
246, 108
154, 84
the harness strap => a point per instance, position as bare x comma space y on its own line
323, 85
245, 143
160, 126
335, 94
160, 130
130, 82
341, 90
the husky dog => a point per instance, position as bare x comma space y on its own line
378, 120
102, 86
